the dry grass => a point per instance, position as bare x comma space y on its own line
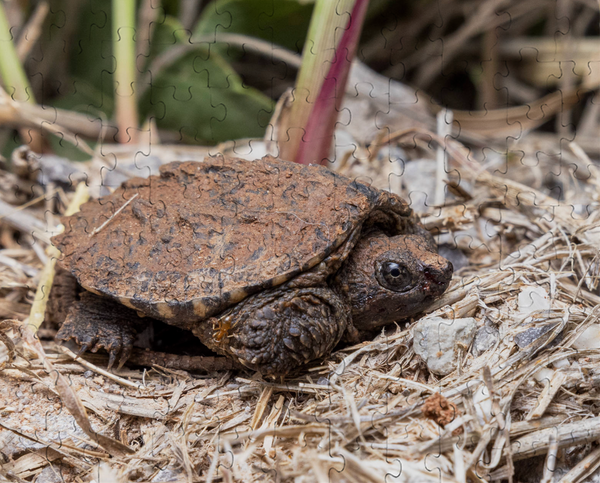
523, 208
356, 416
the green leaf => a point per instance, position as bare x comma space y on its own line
201, 97
91, 59
283, 22
167, 33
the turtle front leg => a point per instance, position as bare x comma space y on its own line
276, 331
98, 323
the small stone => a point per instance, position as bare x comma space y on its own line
105, 473
589, 339
543, 375
485, 339
58, 170
527, 338
562, 364
438, 340
592, 236
532, 299
50, 474
167, 474
323, 381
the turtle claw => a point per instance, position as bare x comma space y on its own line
82, 350
96, 323
112, 358
125, 353
121, 351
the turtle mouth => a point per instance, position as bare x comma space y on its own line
437, 281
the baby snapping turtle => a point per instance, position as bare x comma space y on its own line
268, 262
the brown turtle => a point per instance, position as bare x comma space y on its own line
268, 262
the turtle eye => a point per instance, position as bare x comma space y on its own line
394, 276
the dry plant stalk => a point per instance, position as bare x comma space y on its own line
360, 409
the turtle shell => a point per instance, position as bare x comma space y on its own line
199, 237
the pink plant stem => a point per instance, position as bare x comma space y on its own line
320, 128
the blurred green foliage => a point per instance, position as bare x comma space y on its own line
195, 97
90, 64
282, 22
199, 98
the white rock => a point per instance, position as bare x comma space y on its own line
50, 475
438, 340
592, 236
543, 375
532, 299
486, 338
561, 364
589, 339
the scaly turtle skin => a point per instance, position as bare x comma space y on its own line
269, 262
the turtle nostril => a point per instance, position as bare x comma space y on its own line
446, 274
440, 276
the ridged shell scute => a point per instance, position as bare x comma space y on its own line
200, 237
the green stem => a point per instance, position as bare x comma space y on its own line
326, 60
14, 78
123, 23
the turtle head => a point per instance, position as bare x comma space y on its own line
389, 279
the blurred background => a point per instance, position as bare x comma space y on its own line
211, 71
483, 114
